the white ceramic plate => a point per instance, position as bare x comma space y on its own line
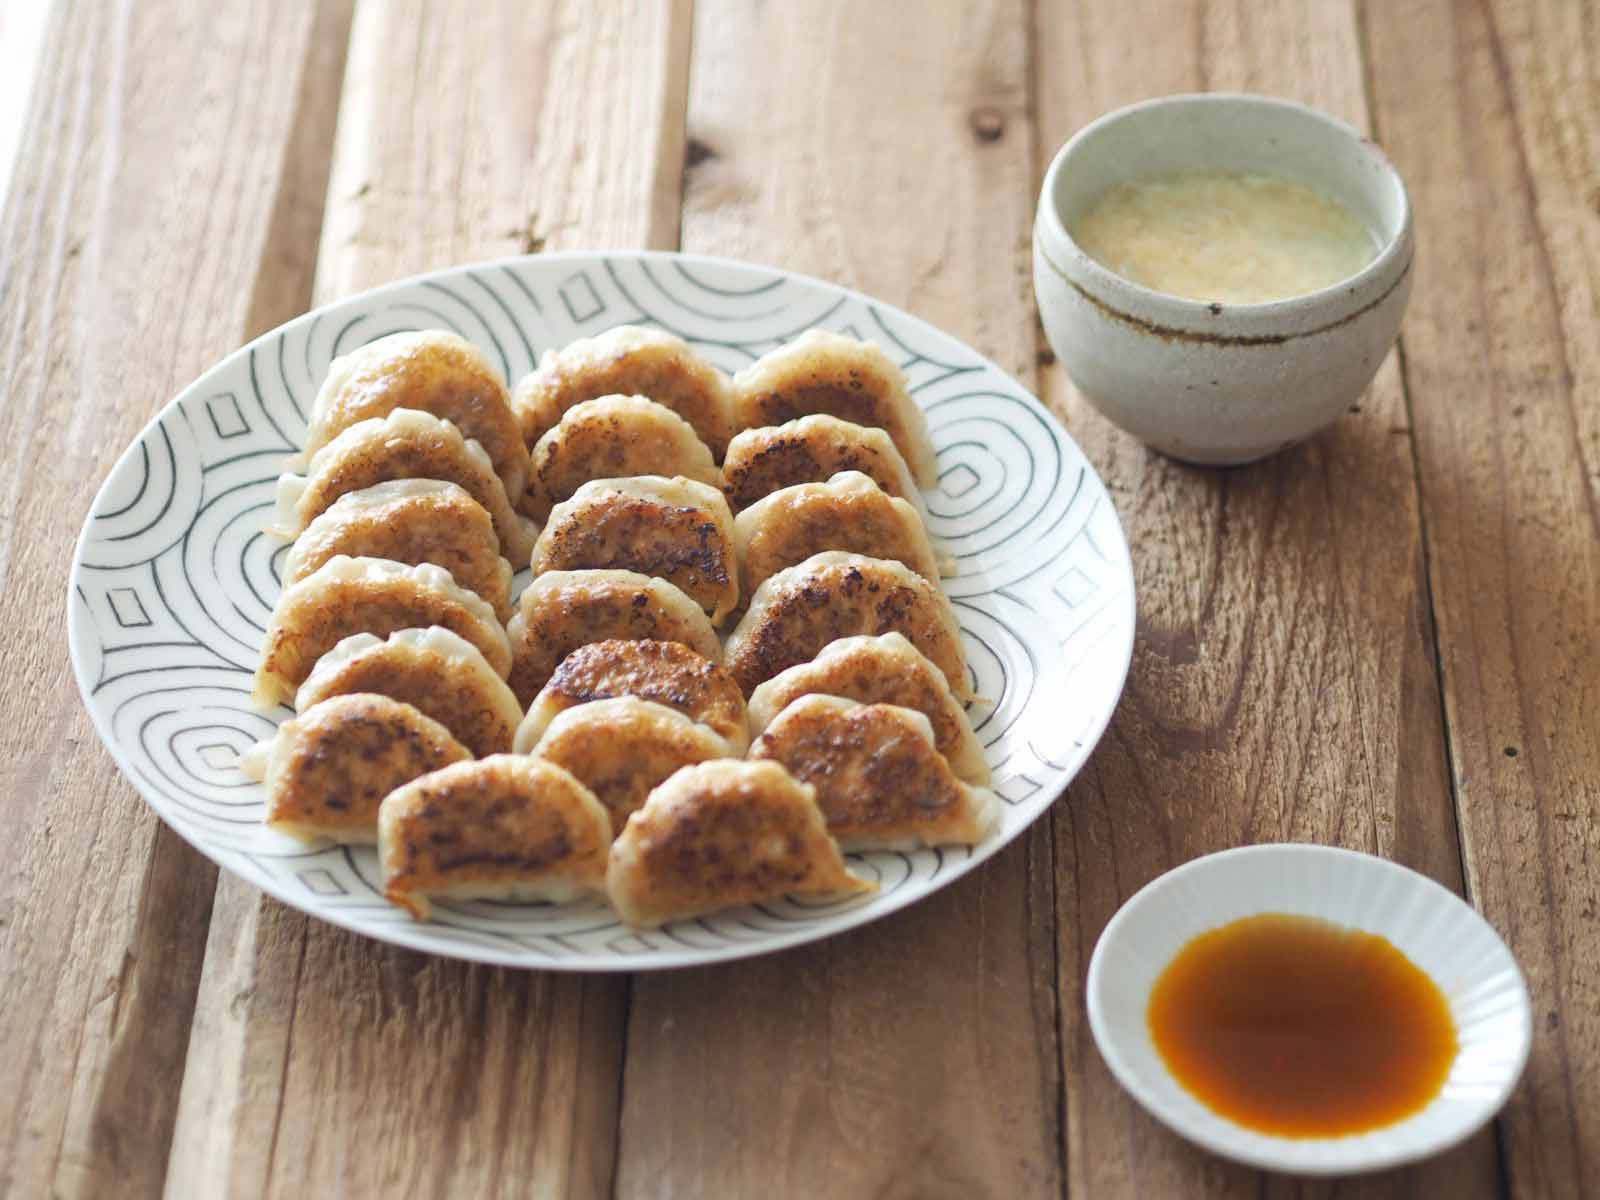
1430, 925
173, 583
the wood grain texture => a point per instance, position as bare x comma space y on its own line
104, 910
1283, 685
525, 127
23, 25
914, 1057
1492, 112
323, 1063
168, 199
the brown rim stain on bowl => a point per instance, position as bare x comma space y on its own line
1171, 333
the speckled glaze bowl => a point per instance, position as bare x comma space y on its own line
1212, 383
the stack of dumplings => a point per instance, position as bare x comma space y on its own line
733, 664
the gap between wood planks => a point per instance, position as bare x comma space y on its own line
1039, 157
1370, 95
571, 113
1377, 658
107, 912
1491, 109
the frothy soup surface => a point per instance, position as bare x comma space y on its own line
1238, 238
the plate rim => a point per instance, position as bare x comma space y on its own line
864, 912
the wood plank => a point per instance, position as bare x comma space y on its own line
105, 910
323, 1063
1492, 111
23, 25
1283, 684
914, 1057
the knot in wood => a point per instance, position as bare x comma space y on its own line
987, 124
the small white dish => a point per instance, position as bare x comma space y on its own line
1215, 383
1430, 925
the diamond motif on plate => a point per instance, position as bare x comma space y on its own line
127, 608
226, 418
958, 481
579, 295
320, 882
218, 756
1074, 587
1016, 788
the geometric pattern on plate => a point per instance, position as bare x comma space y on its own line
173, 585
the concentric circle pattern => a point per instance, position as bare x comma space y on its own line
174, 582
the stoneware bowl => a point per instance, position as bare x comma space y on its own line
1214, 383
1430, 925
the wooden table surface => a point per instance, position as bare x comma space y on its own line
1387, 638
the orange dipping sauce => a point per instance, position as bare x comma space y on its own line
1301, 1028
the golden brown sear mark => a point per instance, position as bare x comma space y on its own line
328, 770
677, 530
664, 672
719, 834
880, 780
505, 827
810, 450
835, 595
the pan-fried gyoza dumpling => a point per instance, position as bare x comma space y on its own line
881, 783
834, 595
810, 450
826, 373
432, 371
611, 438
436, 671
328, 769
563, 610
411, 521
347, 596
406, 444
848, 512
719, 834
501, 828
627, 361
879, 670
666, 673
675, 529
622, 748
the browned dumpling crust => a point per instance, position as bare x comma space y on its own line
563, 610
432, 371
611, 438
502, 828
406, 444
411, 521
327, 770
346, 596
629, 361
880, 781
879, 670
674, 529
810, 450
824, 372
848, 512
720, 834
622, 748
667, 673
833, 595
435, 671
